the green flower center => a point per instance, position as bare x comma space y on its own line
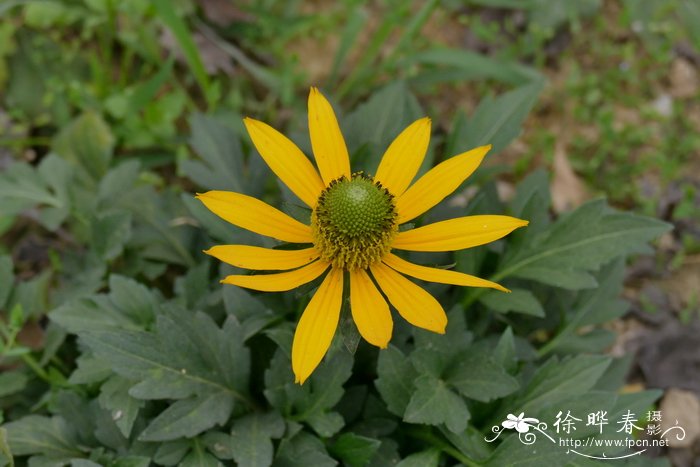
354, 222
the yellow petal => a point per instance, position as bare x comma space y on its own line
254, 215
254, 257
457, 234
369, 310
326, 139
438, 183
404, 156
286, 160
442, 276
416, 305
317, 326
281, 281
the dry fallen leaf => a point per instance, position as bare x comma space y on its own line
681, 407
223, 12
213, 57
568, 191
685, 82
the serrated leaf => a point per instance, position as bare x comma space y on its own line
395, 377
326, 424
32, 295
303, 449
355, 450
462, 65
118, 179
555, 380
88, 142
128, 305
479, 377
199, 457
497, 120
250, 440
34, 434
582, 241
518, 300
188, 355
23, 186
429, 458
377, 122
312, 401
110, 232
218, 145
433, 403
114, 397
189, 417
504, 353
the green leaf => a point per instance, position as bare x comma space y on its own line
326, 424
132, 461
7, 279
479, 377
171, 452
177, 26
188, 355
312, 402
354, 450
579, 242
123, 408
429, 458
189, 417
602, 304
377, 122
251, 436
145, 92
395, 377
5, 448
116, 181
303, 449
449, 64
46, 187
199, 457
90, 370
512, 452
519, 301
218, 145
555, 380
129, 305
433, 403
34, 434
504, 353
110, 232
496, 121
32, 295
12, 382
88, 142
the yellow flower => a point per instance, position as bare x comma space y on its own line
353, 227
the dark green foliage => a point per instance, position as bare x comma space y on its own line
149, 360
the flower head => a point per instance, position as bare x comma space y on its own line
352, 230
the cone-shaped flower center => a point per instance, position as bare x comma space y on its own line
354, 222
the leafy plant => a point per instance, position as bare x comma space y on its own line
147, 359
